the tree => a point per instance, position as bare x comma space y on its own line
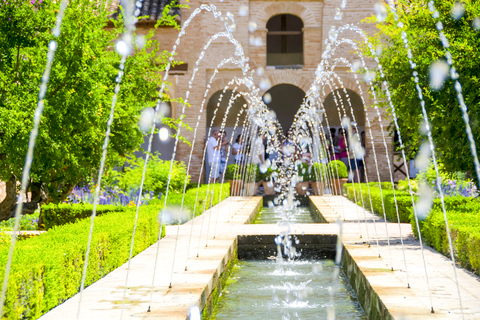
448, 128
79, 96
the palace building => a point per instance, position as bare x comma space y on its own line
284, 41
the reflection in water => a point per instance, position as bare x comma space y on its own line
287, 290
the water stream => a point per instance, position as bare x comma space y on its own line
287, 289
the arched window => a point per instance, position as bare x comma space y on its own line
285, 41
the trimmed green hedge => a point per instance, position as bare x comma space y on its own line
47, 270
175, 199
61, 214
464, 230
462, 213
404, 201
57, 215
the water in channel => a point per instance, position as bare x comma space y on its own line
296, 289
279, 214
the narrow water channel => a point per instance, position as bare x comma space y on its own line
298, 289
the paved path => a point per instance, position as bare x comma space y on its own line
103, 300
404, 303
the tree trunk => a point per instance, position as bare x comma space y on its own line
8, 204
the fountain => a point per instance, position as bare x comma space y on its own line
188, 270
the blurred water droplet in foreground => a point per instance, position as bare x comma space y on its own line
243, 12
438, 74
267, 98
381, 11
338, 14
458, 10
146, 119
163, 134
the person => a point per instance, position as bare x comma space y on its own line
213, 155
237, 149
334, 137
342, 148
361, 162
258, 153
353, 156
223, 151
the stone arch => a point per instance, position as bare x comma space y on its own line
289, 77
309, 19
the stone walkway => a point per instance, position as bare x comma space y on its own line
103, 300
392, 287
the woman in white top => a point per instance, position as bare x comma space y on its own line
237, 149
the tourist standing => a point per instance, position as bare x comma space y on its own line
342, 148
237, 149
213, 155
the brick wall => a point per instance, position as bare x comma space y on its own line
317, 16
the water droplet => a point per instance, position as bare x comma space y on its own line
343, 4
438, 74
243, 11
379, 50
194, 313
163, 134
258, 42
356, 65
369, 76
52, 45
260, 71
140, 41
267, 98
458, 10
338, 14
230, 22
122, 48
146, 119
476, 24
252, 26
381, 12
265, 84
332, 35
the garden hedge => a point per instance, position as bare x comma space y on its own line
464, 230
57, 215
404, 201
47, 270
462, 213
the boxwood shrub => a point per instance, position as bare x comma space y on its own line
404, 201
462, 213
57, 215
47, 269
464, 230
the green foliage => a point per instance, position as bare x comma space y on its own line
267, 175
404, 201
200, 202
156, 175
448, 128
319, 172
462, 213
79, 95
55, 259
27, 222
60, 214
233, 172
303, 172
252, 172
338, 168
464, 230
